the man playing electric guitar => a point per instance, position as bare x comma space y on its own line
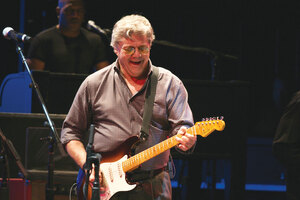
113, 100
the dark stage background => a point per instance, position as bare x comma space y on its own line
256, 41
245, 40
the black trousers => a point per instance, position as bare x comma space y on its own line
289, 156
293, 183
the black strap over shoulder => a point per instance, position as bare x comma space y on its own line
148, 107
148, 110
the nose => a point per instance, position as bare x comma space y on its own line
75, 13
136, 53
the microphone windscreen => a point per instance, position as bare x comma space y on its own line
6, 31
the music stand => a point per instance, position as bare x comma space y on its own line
14, 153
4, 182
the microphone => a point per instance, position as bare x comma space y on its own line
92, 26
10, 33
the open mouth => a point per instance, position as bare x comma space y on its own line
135, 62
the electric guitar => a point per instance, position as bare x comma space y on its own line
114, 165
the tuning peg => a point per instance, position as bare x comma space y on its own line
212, 118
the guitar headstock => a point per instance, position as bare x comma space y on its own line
207, 126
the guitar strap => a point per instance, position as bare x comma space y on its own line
148, 107
148, 110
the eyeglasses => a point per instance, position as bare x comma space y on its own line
130, 50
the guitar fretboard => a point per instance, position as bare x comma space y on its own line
136, 160
200, 128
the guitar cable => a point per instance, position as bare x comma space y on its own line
71, 189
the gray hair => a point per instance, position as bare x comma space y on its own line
129, 25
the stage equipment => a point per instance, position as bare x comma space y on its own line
53, 138
10, 33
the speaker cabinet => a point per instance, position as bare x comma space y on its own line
14, 127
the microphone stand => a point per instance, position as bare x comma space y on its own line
96, 185
215, 56
92, 158
52, 139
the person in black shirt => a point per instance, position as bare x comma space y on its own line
67, 47
286, 146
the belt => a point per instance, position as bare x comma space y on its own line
142, 175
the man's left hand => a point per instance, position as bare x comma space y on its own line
187, 140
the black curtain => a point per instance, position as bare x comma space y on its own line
251, 40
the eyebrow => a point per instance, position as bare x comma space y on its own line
135, 46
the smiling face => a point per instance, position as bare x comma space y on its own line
133, 56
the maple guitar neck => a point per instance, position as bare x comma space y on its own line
203, 128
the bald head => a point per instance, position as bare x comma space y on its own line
62, 3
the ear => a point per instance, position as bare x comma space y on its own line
117, 51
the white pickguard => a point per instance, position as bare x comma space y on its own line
114, 178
